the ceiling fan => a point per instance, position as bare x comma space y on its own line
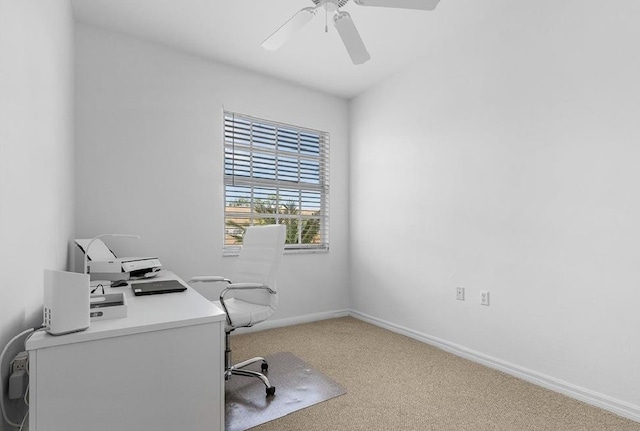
343, 22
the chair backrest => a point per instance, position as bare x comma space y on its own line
259, 262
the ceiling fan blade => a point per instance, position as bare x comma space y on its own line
400, 4
284, 33
351, 38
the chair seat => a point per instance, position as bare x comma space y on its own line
244, 313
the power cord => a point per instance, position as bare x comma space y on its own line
2, 406
26, 393
24, 419
97, 287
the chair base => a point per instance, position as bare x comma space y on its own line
238, 370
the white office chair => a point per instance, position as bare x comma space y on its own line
251, 296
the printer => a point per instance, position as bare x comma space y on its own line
104, 265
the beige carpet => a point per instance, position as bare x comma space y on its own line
396, 383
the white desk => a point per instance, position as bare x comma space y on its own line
160, 368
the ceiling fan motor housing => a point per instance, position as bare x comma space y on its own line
330, 5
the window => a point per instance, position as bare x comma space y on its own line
275, 173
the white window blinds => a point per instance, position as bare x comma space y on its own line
275, 173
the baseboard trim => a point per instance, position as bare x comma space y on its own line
593, 398
297, 320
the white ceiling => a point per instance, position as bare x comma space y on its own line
232, 31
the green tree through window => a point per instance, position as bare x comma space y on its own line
306, 231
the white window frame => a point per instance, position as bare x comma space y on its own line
284, 165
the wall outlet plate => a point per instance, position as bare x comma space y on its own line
460, 293
484, 297
19, 362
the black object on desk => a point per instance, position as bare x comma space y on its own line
156, 287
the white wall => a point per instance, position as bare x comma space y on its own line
149, 160
506, 159
36, 155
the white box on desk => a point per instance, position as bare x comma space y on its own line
107, 306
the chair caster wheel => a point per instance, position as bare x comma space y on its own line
264, 367
271, 390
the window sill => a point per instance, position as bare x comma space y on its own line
232, 253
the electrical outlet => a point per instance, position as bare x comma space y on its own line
19, 362
484, 297
460, 293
